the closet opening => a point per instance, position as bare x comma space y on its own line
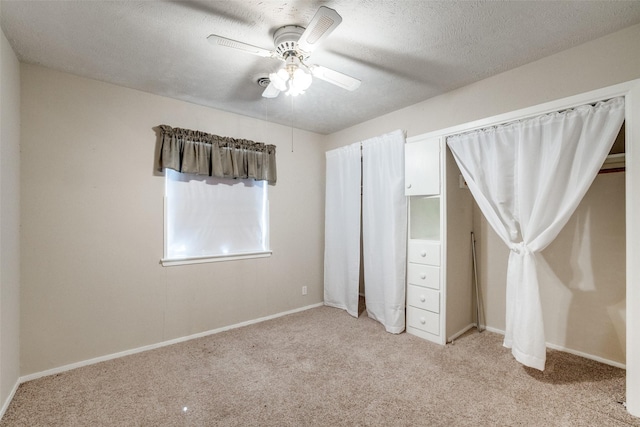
583, 282
366, 230
537, 201
630, 175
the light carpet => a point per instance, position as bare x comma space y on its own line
322, 367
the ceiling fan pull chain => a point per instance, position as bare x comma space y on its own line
293, 116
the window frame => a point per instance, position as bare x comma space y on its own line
167, 261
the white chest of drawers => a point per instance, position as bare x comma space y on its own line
423, 289
439, 293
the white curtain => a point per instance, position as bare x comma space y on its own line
528, 177
384, 229
342, 229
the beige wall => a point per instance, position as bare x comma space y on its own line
9, 220
584, 273
583, 297
92, 223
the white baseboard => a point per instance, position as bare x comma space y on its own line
495, 330
9, 398
571, 351
93, 361
460, 332
588, 356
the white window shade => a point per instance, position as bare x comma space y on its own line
212, 219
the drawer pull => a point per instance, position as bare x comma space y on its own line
408, 185
423, 320
423, 254
423, 276
422, 298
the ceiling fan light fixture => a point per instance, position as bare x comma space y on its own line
299, 76
283, 74
299, 81
293, 79
279, 79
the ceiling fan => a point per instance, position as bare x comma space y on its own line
293, 46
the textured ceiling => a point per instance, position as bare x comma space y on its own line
403, 51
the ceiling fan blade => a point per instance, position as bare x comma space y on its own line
334, 77
271, 91
225, 42
323, 23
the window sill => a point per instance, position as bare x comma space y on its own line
169, 262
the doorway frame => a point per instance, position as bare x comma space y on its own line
631, 92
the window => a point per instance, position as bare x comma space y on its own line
216, 204
214, 219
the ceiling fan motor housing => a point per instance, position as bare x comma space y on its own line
286, 39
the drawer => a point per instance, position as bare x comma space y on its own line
426, 299
423, 275
423, 320
424, 252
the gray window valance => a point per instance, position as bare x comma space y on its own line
200, 153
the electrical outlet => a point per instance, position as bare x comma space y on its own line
304, 290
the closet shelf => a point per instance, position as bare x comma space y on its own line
613, 163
